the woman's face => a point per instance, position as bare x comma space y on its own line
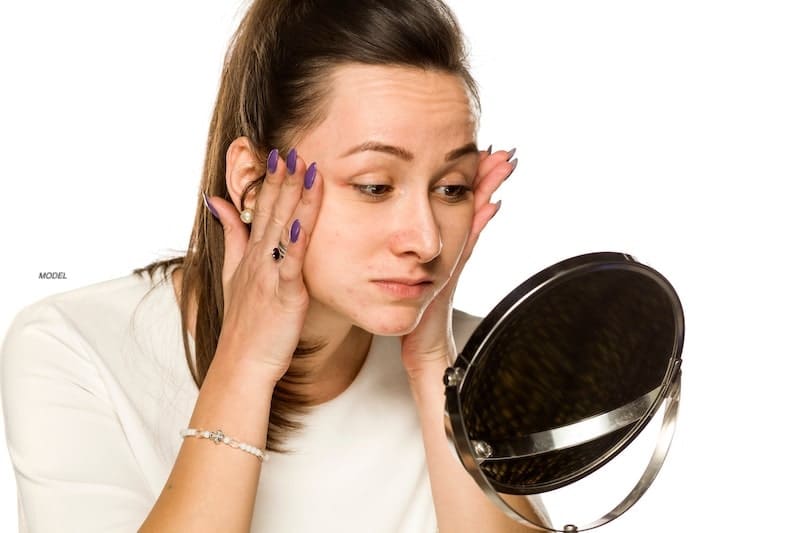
398, 157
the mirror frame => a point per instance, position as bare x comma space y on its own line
668, 395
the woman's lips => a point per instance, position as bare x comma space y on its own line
404, 288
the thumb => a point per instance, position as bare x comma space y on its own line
235, 234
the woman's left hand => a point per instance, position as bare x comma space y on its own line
432, 342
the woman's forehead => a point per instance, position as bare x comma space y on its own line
380, 79
412, 103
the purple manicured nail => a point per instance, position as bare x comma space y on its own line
513, 168
295, 233
511, 154
210, 207
498, 204
311, 175
272, 161
489, 150
291, 161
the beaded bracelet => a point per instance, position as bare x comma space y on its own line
219, 437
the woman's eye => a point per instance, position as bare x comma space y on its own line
453, 193
374, 191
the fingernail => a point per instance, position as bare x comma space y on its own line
489, 150
291, 161
272, 161
513, 168
511, 154
498, 204
209, 206
295, 233
311, 175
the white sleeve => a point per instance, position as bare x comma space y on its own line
74, 467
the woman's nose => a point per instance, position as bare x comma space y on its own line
417, 233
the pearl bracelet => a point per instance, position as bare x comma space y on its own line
219, 437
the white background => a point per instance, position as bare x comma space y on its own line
667, 130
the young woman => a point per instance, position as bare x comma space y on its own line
342, 194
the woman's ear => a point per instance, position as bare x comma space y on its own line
242, 166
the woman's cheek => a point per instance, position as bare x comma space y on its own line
455, 225
336, 245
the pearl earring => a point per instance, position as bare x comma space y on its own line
246, 215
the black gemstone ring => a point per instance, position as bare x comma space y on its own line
279, 252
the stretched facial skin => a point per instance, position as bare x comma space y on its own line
397, 152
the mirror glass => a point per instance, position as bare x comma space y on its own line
563, 374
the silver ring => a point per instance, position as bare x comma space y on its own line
279, 252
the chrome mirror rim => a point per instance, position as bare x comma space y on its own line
473, 453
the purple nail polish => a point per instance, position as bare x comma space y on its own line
498, 204
291, 161
295, 233
513, 168
272, 161
311, 175
210, 207
511, 154
489, 150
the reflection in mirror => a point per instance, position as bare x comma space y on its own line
564, 373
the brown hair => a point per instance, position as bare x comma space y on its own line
273, 89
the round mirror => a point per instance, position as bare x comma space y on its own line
561, 376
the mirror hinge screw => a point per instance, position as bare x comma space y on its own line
453, 376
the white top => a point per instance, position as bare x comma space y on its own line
96, 388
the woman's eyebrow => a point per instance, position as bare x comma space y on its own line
406, 155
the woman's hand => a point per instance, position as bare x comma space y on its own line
432, 340
266, 300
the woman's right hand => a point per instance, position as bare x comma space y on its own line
266, 300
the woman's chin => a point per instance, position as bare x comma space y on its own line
393, 322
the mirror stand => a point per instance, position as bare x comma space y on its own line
667, 431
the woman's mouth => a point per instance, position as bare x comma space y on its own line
405, 288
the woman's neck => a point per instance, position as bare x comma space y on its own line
330, 370
333, 368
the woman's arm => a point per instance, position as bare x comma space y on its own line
213, 488
461, 506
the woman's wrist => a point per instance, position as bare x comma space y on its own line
240, 362
429, 368
230, 385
